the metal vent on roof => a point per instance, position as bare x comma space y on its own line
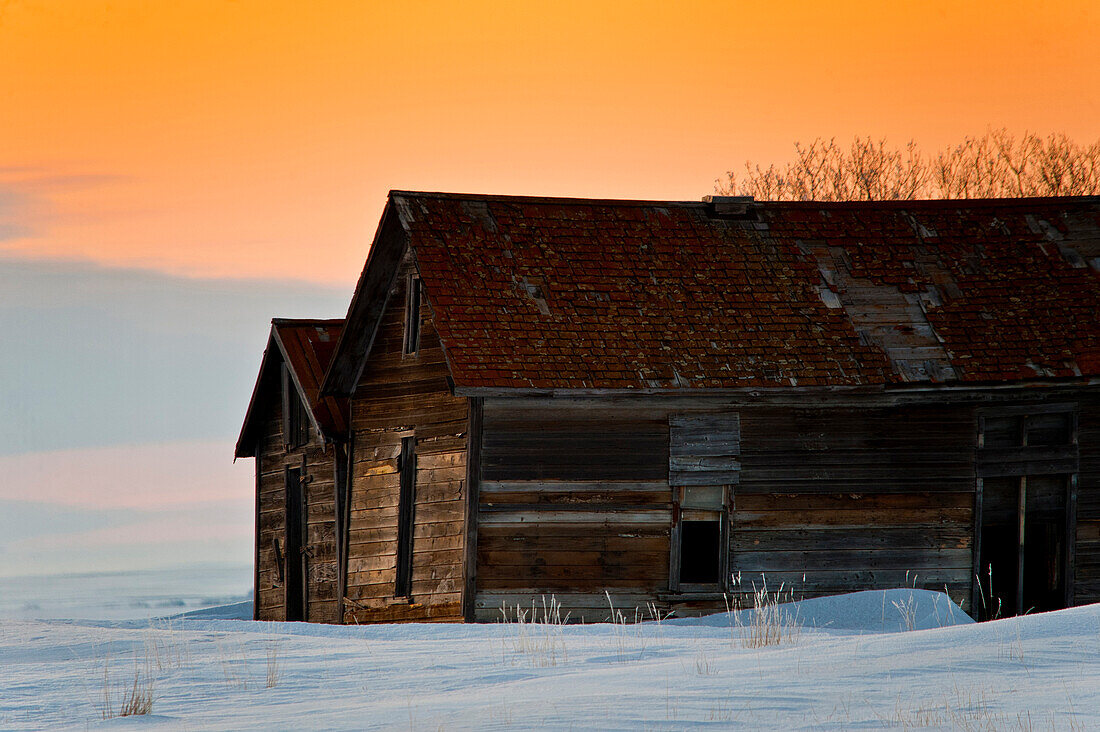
731, 206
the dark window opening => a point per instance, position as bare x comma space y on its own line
295, 557
405, 517
412, 316
1048, 430
297, 420
700, 552
1031, 430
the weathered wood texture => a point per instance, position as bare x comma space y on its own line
401, 395
834, 500
1087, 546
575, 498
320, 538
703, 449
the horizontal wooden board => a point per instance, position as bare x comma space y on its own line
851, 501
501, 517
493, 560
450, 611
592, 498
855, 519
565, 582
897, 483
837, 559
490, 487
922, 537
533, 547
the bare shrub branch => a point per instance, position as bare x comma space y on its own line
994, 165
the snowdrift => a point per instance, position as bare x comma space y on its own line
852, 665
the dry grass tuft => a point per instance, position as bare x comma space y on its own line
769, 622
274, 670
537, 637
136, 700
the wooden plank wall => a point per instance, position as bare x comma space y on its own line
844, 499
1087, 549
319, 491
401, 395
575, 499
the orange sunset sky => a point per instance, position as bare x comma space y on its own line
258, 139
173, 173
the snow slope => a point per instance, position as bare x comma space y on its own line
852, 666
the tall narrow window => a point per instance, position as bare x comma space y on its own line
412, 315
296, 421
702, 532
405, 517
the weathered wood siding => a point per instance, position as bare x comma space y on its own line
833, 495
573, 500
401, 395
1087, 548
320, 539
842, 499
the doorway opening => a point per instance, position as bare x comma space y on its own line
1022, 565
295, 546
1026, 501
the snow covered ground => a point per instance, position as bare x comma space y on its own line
123, 595
854, 664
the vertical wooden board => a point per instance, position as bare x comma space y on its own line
473, 484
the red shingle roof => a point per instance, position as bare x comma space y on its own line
574, 294
307, 346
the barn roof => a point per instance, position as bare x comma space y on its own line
564, 294
307, 347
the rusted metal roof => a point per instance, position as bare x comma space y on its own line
540, 293
307, 347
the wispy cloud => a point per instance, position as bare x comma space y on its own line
29, 198
142, 506
104, 356
144, 477
38, 179
13, 204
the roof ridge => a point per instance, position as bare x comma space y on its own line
899, 203
306, 321
543, 199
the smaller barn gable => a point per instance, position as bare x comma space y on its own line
297, 439
306, 347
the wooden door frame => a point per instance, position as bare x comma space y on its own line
725, 521
1069, 554
303, 537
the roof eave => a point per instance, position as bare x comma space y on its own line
246, 447
367, 305
298, 385
898, 388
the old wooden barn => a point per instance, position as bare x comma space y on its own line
299, 442
535, 396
